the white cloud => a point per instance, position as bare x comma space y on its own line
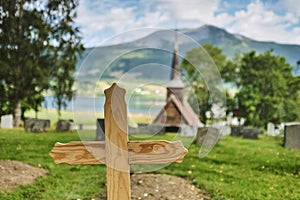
194, 9
262, 21
259, 23
192, 13
99, 22
288, 6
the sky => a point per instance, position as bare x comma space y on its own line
263, 20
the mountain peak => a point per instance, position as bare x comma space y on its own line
153, 47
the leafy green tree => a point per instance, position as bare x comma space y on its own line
268, 89
39, 47
199, 57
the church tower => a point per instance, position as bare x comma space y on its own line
175, 86
177, 111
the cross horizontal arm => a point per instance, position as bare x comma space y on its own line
78, 153
156, 152
140, 152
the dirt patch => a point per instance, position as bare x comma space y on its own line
143, 186
15, 173
166, 187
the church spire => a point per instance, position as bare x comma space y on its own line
175, 73
175, 86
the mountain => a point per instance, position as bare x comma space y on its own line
143, 57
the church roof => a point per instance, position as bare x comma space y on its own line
184, 108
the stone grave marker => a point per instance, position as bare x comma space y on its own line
36, 125
100, 129
7, 121
225, 130
250, 133
188, 131
292, 135
116, 152
209, 133
150, 129
64, 125
237, 131
271, 129
201, 133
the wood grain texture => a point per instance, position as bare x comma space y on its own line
116, 144
140, 152
117, 153
156, 152
79, 153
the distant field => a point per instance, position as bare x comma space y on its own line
135, 87
82, 116
235, 169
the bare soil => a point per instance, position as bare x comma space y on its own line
15, 173
143, 186
164, 187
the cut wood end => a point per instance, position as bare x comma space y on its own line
54, 152
183, 153
53, 156
113, 87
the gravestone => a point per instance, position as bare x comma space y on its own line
36, 125
64, 125
292, 135
7, 121
279, 128
250, 133
225, 130
237, 131
201, 133
206, 132
100, 130
271, 129
188, 131
151, 129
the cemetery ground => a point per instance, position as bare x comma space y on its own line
235, 169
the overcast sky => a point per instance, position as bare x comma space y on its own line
265, 20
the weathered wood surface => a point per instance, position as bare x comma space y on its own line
116, 144
156, 152
140, 152
79, 153
116, 152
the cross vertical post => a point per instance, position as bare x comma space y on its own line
116, 144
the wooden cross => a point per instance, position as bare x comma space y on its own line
116, 152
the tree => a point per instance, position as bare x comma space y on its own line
39, 47
198, 57
268, 89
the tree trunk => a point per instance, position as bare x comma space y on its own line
17, 114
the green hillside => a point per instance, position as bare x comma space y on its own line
149, 58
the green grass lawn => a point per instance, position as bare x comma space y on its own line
235, 169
